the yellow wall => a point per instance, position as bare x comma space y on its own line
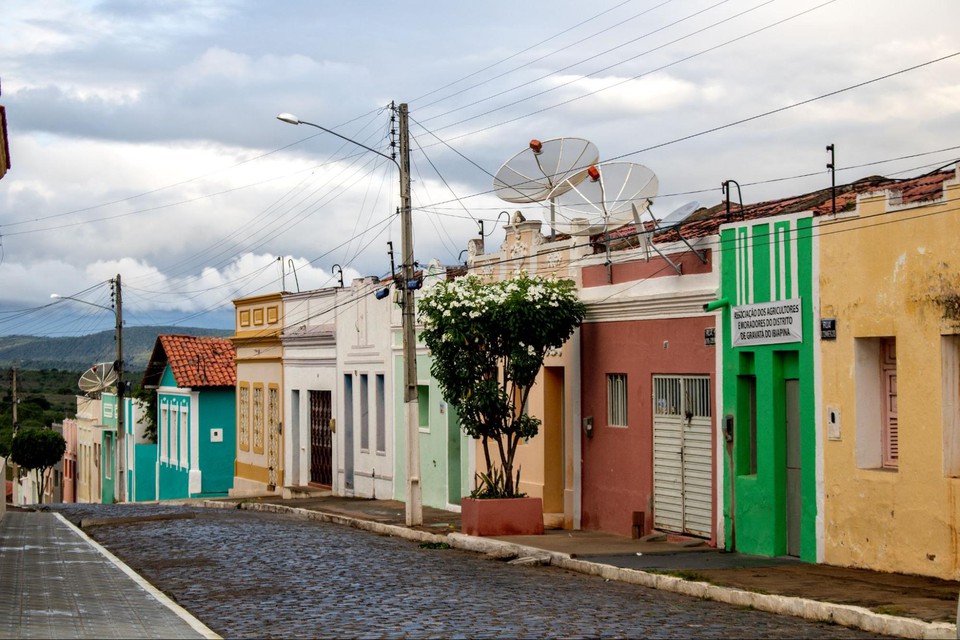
890, 270
259, 323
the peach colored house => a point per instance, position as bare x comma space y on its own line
550, 461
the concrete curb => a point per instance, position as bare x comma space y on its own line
158, 595
841, 614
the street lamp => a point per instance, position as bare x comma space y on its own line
414, 502
120, 487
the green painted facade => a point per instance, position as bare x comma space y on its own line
767, 387
142, 476
444, 449
203, 410
107, 465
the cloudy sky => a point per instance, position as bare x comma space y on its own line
144, 141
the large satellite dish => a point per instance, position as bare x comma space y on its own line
544, 170
97, 378
614, 194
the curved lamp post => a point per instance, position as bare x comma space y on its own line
120, 487
414, 502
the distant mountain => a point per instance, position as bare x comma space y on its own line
78, 353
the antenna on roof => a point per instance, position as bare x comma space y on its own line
725, 186
833, 178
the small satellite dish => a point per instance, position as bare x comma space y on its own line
678, 216
97, 378
544, 170
615, 194
671, 222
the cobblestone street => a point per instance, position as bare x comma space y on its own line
264, 575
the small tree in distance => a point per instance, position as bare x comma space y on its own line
488, 342
38, 450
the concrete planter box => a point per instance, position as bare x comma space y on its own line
501, 517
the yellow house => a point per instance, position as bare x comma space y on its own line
548, 461
890, 362
259, 465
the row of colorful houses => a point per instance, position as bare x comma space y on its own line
742, 384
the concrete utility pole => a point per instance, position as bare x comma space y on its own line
120, 489
414, 503
17, 496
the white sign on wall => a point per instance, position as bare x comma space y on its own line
767, 323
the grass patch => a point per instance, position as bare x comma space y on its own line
434, 545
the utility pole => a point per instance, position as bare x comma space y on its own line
120, 489
16, 427
414, 502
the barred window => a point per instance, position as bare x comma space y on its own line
258, 419
617, 399
244, 413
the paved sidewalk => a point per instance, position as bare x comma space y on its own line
885, 603
55, 582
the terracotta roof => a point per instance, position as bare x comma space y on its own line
707, 221
196, 361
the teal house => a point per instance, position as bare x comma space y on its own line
768, 302
195, 379
141, 449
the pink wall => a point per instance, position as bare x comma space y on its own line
596, 275
618, 462
70, 461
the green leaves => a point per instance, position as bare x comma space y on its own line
488, 342
37, 448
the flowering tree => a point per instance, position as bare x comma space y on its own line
488, 342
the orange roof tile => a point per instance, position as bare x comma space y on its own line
196, 361
707, 221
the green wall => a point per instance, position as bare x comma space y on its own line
766, 261
217, 411
444, 449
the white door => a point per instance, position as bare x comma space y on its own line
682, 455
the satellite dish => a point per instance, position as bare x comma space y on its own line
544, 170
677, 217
671, 222
97, 378
614, 194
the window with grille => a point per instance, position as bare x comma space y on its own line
243, 413
617, 399
258, 419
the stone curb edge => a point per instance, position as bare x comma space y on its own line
158, 595
841, 614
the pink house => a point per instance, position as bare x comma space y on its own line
70, 460
648, 390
